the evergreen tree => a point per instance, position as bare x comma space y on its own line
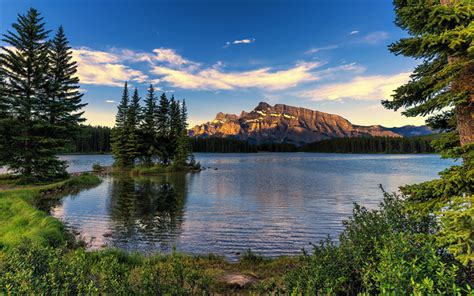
132, 126
25, 62
149, 128
441, 34
175, 118
163, 129
184, 116
62, 103
162, 117
183, 150
120, 132
5, 120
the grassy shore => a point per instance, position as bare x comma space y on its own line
20, 220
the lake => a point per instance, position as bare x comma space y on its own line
273, 203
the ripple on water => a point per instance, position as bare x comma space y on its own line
274, 204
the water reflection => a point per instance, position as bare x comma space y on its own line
132, 213
147, 210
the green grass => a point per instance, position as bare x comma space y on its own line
160, 169
20, 220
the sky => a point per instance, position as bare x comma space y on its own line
227, 56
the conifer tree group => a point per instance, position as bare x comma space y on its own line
153, 134
40, 101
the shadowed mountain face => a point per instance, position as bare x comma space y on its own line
285, 124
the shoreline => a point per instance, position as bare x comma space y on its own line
46, 234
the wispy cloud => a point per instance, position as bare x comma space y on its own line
240, 41
374, 87
318, 49
110, 101
214, 78
375, 37
103, 68
355, 32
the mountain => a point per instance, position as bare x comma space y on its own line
286, 124
412, 130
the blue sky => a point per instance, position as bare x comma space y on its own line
227, 56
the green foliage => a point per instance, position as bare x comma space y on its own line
91, 139
387, 251
119, 138
441, 35
40, 101
20, 220
151, 136
33, 269
149, 128
457, 228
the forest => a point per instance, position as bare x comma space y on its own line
96, 139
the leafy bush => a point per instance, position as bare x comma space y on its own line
33, 269
386, 251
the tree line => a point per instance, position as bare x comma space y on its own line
40, 101
371, 145
153, 134
91, 139
96, 139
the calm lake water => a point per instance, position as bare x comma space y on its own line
273, 203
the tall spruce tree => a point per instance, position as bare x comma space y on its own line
120, 132
184, 116
149, 128
5, 120
163, 129
63, 103
132, 126
183, 150
175, 118
442, 35
25, 61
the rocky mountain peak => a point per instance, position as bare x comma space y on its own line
284, 124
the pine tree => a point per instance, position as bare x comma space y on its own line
31, 151
441, 34
64, 103
163, 129
184, 116
183, 150
175, 118
5, 120
120, 132
132, 126
149, 128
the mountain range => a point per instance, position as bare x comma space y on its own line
295, 125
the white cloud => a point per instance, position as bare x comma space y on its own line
103, 68
355, 32
375, 37
240, 41
110, 101
214, 78
244, 41
359, 88
318, 49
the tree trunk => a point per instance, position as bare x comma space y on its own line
465, 122
464, 111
